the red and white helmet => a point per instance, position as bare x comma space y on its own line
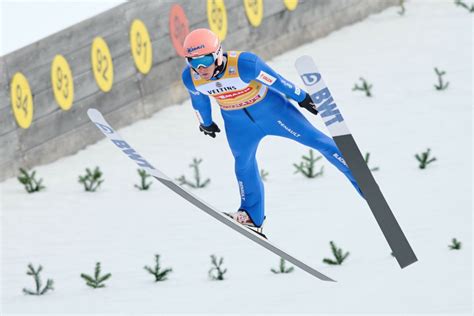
202, 48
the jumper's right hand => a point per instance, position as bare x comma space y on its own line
210, 130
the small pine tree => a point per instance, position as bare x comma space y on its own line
197, 176
97, 281
367, 156
455, 244
366, 87
462, 4
424, 159
264, 174
92, 180
143, 185
156, 271
29, 181
441, 85
36, 275
219, 273
337, 252
307, 166
282, 268
402, 7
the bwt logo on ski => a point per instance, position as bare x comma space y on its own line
311, 79
130, 152
327, 107
104, 128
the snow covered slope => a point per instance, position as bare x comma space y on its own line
67, 230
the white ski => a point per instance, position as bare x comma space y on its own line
97, 118
332, 117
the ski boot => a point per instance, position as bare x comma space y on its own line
244, 219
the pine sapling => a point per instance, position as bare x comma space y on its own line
160, 275
282, 268
307, 166
216, 272
401, 3
264, 174
337, 252
143, 185
460, 3
367, 156
455, 244
366, 87
92, 180
29, 181
424, 159
197, 176
441, 85
97, 281
36, 275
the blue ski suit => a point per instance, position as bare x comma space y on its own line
254, 104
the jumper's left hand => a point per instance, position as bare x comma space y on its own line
308, 104
210, 130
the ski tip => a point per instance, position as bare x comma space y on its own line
303, 59
323, 277
92, 112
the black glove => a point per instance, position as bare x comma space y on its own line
210, 130
308, 104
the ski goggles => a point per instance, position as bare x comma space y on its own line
202, 61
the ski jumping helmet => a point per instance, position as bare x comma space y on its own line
202, 48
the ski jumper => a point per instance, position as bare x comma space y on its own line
253, 103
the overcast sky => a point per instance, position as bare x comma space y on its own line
26, 21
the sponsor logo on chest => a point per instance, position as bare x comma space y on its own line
233, 94
224, 85
226, 88
219, 89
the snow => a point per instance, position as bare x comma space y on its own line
68, 230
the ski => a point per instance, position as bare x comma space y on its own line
337, 127
97, 118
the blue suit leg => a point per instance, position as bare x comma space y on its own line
289, 122
243, 137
